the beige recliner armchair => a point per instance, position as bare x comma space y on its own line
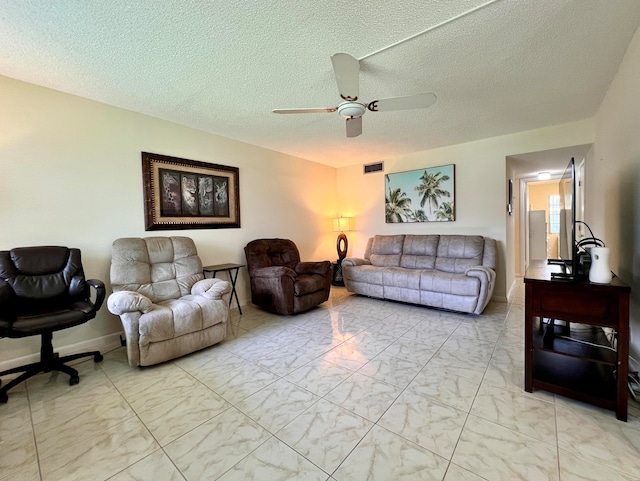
167, 307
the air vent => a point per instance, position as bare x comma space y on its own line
371, 168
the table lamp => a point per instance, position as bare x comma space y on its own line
341, 224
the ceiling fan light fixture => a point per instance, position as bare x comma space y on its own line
350, 110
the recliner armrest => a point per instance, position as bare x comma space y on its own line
483, 273
355, 261
211, 288
101, 292
128, 301
320, 268
273, 271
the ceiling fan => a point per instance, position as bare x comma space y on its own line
347, 69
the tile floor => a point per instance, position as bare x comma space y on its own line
355, 389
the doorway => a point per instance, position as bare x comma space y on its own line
543, 217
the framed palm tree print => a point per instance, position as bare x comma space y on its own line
423, 195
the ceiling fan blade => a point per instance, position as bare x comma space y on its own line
304, 111
354, 126
419, 101
347, 69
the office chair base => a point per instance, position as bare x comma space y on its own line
49, 361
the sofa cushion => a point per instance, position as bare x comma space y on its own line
176, 317
419, 251
401, 277
449, 283
386, 250
306, 284
365, 273
456, 253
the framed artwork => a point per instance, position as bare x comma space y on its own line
423, 195
188, 194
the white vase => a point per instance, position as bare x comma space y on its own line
600, 273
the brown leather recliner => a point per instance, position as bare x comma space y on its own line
42, 290
282, 284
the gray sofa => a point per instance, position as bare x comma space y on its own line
455, 272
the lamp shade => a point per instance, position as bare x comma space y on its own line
341, 224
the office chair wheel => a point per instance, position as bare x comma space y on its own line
73, 380
98, 358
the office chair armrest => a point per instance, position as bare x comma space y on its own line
128, 301
101, 292
211, 288
7, 295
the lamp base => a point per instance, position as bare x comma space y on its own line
337, 279
342, 245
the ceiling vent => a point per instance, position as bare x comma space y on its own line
371, 168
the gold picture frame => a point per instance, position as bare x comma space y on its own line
189, 194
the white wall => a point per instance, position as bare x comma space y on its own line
481, 189
72, 175
612, 195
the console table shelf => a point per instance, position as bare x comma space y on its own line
573, 357
578, 347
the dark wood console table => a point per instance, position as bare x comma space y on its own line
556, 310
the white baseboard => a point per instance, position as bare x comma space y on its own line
102, 344
510, 293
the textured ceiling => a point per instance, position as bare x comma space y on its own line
223, 65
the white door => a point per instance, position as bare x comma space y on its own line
537, 235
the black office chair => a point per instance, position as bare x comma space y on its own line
42, 290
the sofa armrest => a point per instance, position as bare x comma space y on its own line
211, 288
485, 274
355, 261
319, 268
273, 271
128, 301
487, 277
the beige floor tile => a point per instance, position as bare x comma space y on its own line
214, 447
425, 422
494, 452
274, 406
517, 411
178, 415
325, 434
155, 467
274, 461
108, 453
383, 456
364, 396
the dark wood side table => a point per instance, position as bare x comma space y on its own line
578, 362
232, 270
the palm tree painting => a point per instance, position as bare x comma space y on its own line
397, 207
423, 195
